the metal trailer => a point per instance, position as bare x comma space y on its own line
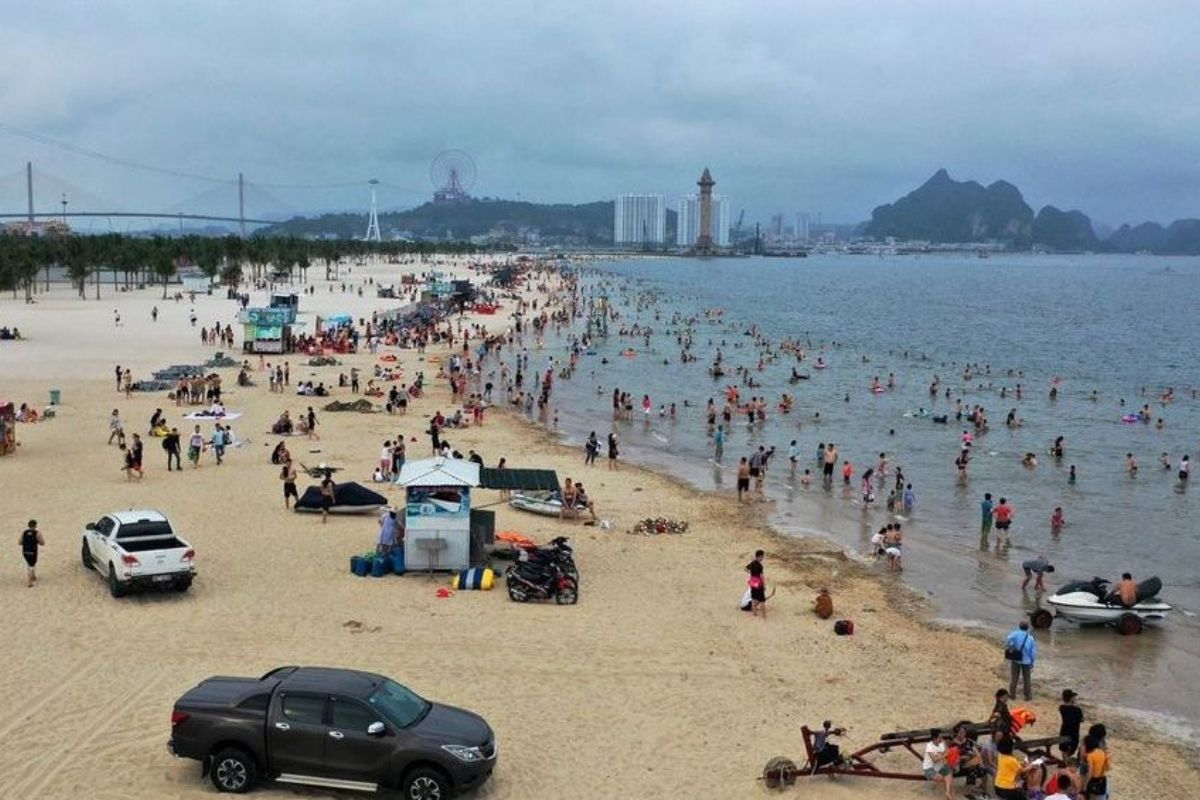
781, 771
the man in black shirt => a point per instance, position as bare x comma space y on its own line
1072, 720
172, 446
31, 540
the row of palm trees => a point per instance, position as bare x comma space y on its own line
26, 261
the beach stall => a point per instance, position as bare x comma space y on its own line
194, 280
438, 513
268, 330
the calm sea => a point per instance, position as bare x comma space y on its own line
1123, 327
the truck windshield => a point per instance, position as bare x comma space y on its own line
399, 704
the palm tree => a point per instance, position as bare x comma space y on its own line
162, 262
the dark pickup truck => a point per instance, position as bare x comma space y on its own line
334, 728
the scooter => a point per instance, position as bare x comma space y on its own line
558, 552
541, 582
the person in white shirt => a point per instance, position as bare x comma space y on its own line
934, 763
385, 459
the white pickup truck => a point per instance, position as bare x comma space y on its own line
138, 549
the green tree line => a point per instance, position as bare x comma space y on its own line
117, 260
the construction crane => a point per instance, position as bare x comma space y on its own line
737, 226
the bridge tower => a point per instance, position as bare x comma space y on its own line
373, 221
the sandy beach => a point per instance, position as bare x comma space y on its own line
654, 685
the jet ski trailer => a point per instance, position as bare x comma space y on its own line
1092, 603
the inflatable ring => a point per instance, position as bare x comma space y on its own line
388, 357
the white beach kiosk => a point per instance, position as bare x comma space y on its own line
437, 494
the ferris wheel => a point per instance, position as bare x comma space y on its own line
452, 173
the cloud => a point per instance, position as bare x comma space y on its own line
821, 106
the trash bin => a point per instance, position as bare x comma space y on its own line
55, 396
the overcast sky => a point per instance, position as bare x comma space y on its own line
829, 107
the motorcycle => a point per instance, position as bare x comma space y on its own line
558, 552
528, 581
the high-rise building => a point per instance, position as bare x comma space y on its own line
687, 229
640, 219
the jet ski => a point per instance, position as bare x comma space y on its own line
1092, 602
548, 504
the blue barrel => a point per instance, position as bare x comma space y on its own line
380, 567
398, 561
354, 563
361, 566
55, 396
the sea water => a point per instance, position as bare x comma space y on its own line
1122, 326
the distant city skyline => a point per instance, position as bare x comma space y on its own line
830, 108
640, 219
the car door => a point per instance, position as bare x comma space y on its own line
350, 752
97, 539
296, 733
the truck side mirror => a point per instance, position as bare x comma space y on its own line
376, 729
91, 526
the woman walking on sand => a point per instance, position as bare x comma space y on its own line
613, 452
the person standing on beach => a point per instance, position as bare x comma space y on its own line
986, 508
219, 440
172, 446
154, 314
195, 447
312, 424
287, 474
31, 540
328, 495
613, 451
743, 478
1020, 650
116, 428
1072, 720
136, 450
757, 465
758, 584
119, 374
591, 449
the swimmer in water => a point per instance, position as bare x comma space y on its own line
1131, 464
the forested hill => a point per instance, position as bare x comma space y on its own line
587, 223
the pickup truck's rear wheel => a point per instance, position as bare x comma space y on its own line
114, 586
425, 783
85, 555
234, 771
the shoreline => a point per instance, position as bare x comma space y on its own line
806, 554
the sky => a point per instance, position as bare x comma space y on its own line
829, 108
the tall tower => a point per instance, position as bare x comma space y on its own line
704, 240
373, 221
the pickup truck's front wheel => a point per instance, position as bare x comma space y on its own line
234, 771
85, 555
425, 783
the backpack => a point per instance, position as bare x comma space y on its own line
844, 627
